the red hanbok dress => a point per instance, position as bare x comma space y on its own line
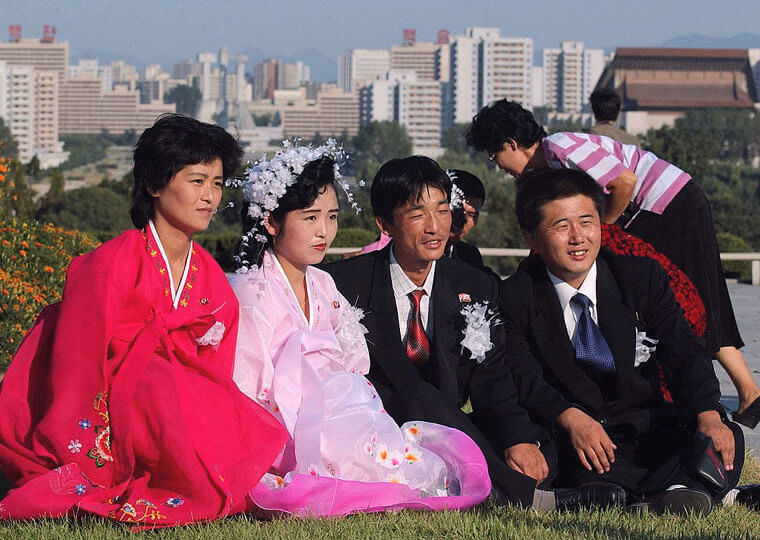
120, 401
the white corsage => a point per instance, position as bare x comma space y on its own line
350, 330
645, 346
213, 336
478, 318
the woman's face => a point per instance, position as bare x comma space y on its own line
189, 200
512, 158
304, 235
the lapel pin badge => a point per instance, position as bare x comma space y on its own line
336, 304
464, 297
203, 301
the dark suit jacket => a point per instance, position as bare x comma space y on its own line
467, 253
632, 294
365, 282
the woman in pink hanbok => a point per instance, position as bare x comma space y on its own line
302, 355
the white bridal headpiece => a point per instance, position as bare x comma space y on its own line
457, 195
266, 180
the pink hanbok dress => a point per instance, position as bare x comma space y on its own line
345, 453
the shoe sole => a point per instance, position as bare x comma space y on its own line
682, 501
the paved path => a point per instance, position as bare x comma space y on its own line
746, 300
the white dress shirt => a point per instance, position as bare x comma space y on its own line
570, 310
402, 286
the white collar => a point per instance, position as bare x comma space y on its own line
402, 285
176, 293
565, 291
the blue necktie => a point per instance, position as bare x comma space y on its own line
590, 346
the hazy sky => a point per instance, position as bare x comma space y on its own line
162, 31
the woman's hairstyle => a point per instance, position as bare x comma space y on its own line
308, 185
404, 179
168, 146
539, 187
501, 121
471, 188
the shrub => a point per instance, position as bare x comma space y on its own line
728, 243
33, 262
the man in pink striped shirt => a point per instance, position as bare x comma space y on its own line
650, 198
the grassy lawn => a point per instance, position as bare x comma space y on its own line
486, 521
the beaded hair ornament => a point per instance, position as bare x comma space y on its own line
266, 180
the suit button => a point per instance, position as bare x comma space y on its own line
603, 421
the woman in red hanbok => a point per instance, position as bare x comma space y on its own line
120, 401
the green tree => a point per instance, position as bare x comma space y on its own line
8, 145
381, 141
54, 194
187, 99
90, 209
84, 149
33, 169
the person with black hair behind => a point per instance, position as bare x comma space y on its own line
435, 342
465, 212
584, 328
648, 198
606, 103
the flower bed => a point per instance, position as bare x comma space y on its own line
33, 262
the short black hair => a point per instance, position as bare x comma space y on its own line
316, 176
501, 121
538, 187
606, 104
404, 179
172, 143
470, 185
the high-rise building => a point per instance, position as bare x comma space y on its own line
401, 97
334, 113
570, 74
359, 67
505, 70
86, 108
43, 56
419, 111
485, 67
30, 76
429, 60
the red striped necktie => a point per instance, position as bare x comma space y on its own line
417, 343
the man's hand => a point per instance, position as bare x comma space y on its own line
592, 444
527, 459
709, 423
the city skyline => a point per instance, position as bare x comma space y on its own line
159, 32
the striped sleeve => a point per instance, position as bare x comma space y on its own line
579, 151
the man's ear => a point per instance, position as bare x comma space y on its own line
383, 225
510, 144
530, 239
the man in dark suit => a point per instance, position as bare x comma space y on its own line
413, 302
587, 331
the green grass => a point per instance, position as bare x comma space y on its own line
486, 521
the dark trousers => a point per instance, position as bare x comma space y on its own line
422, 401
649, 462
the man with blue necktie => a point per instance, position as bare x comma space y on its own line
591, 339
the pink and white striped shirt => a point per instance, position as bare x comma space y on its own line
604, 159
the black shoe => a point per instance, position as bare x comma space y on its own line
750, 416
678, 501
592, 495
749, 496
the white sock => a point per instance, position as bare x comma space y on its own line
730, 497
544, 500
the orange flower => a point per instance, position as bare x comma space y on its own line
22, 253
24, 244
48, 269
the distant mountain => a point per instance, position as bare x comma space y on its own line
106, 57
701, 41
323, 68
